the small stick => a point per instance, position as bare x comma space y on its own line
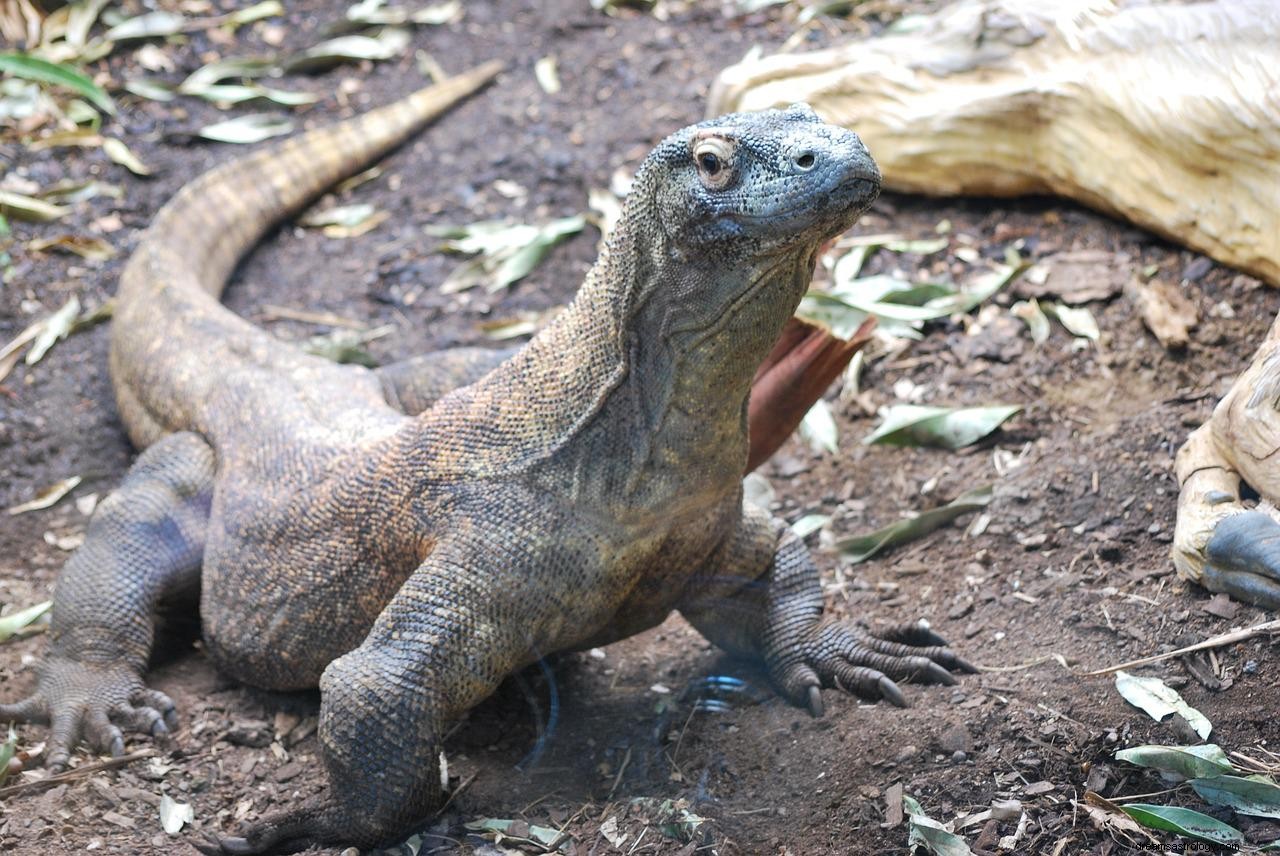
462, 786
1212, 642
78, 773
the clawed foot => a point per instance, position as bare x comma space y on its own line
94, 702
1242, 559
842, 655
317, 821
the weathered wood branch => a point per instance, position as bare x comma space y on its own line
1167, 115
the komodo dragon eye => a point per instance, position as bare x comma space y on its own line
713, 153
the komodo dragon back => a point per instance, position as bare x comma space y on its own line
171, 337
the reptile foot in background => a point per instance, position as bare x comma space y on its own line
842, 655
94, 702
1243, 559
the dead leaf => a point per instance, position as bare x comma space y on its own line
47, 496
1165, 310
1077, 276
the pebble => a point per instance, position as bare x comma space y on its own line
1251, 667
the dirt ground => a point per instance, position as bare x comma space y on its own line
1071, 574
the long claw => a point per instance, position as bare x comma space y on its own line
935, 674
815, 702
889, 692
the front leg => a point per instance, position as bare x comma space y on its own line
760, 596
465, 619
144, 545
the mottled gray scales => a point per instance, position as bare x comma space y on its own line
407, 538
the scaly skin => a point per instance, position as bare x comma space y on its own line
574, 495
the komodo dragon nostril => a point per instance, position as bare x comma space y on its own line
805, 160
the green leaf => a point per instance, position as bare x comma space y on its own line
216, 72
341, 215
507, 252
53, 329
389, 43
1159, 700
925, 247
7, 750
1189, 762
1184, 822
1037, 322
246, 129
256, 12
120, 153
859, 548
818, 428
22, 619
1078, 320
1255, 796
34, 68
27, 208
149, 26
924, 831
146, 87
942, 427
810, 523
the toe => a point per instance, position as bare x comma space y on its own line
917, 634
102, 735
31, 709
157, 700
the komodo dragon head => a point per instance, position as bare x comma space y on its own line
750, 190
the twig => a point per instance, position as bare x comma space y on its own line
462, 786
626, 759
1048, 658
78, 773
1212, 642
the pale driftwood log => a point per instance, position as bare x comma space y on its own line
1167, 115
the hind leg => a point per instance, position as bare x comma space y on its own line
413, 385
145, 544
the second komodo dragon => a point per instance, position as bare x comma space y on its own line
407, 563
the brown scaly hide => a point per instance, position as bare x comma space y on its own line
406, 563
1165, 114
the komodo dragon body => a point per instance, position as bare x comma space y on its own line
406, 564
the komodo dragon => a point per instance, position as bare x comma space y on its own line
573, 496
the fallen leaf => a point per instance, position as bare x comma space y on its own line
506, 252
1078, 320
545, 72
7, 750
215, 72
1159, 700
942, 427
1255, 796
389, 43
247, 129
1037, 322
52, 329
818, 428
924, 831
149, 26
93, 249
1189, 762
1077, 276
22, 619
1184, 822
120, 153
47, 496
43, 71
859, 548
174, 815
1168, 314
21, 207
810, 523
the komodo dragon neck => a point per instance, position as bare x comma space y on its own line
635, 356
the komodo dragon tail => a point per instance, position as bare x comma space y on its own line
170, 335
